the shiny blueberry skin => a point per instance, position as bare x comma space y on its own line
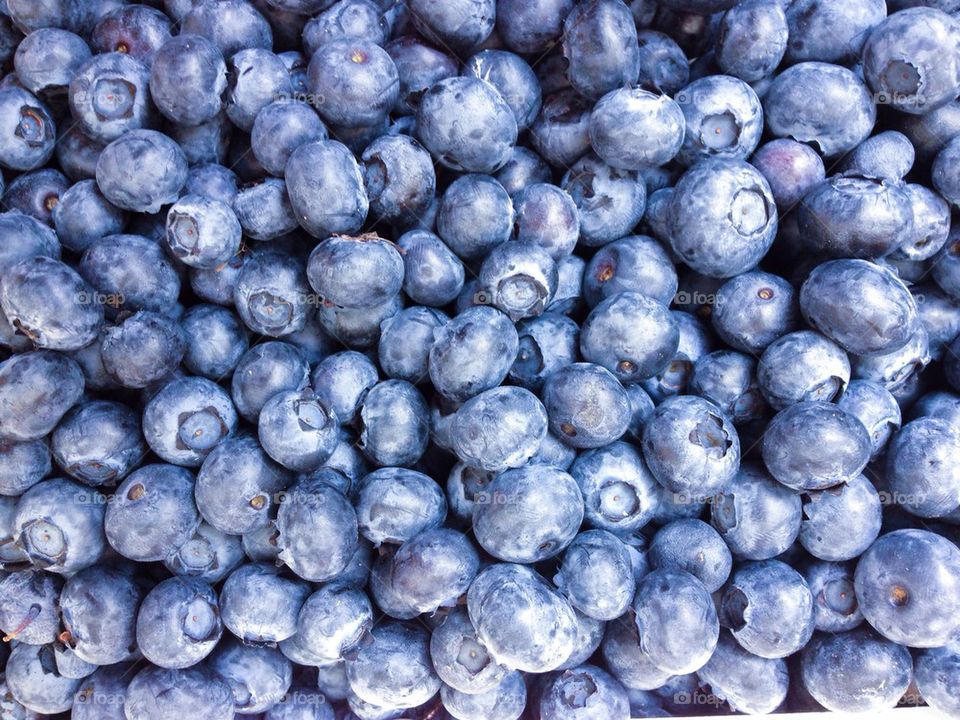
194, 102
919, 475
297, 429
676, 621
931, 224
513, 78
748, 682
600, 45
47, 301
531, 27
27, 130
546, 343
215, 340
829, 32
33, 681
36, 193
394, 424
498, 429
619, 492
405, 341
790, 168
842, 522
271, 294
342, 380
47, 59
625, 658
898, 369
692, 546
419, 65
722, 217
82, 216
855, 671
264, 370
280, 128
186, 419
835, 606
138, 31
141, 171
729, 380
394, 504
258, 675
143, 349
757, 517
888, 155
631, 128
946, 267
230, 25
36, 390
332, 621
936, 671
22, 237
631, 335
98, 442
460, 660
585, 692
394, 670
859, 305
802, 366
431, 570
238, 486
747, 603
109, 96
519, 279
723, 117
700, 442
59, 525
476, 215
260, 605
355, 272
264, 210
178, 623
201, 232
832, 128
157, 693
399, 177
561, 132
580, 425
354, 82
814, 445
521, 621
22, 465
326, 190
904, 584
611, 201
663, 65
751, 40
349, 19
153, 513
568, 297
29, 608
596, 575
466, 125
357, 328
547, 217
318, 530
433, 275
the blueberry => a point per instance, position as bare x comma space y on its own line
326, 169
935, 672
36, 193
619, 492
519, 279
212, 181
546, 343
201, 232
98, 442
831, 32
231, 25
394, 670
596, 575
27, 130
259, 676
835, 606
790, 168
756, 516
904, 586
611, 201
47, 59
179, 624
297, 429
631, 335
466, 125
138, 31
59, 524
919, 476
722, 218
405, 342
561, 132
842, 522
752, 39
141, 171
692, 546
101, 694
394, 427
625, 658
567, 299
460, 25
663, 65
187, 79
476, 215
419, 65
357, 328
909, 76
580, 425
332, 622
22, 465
459, 658
143, 349
747, 682
47, 301
931, 224
513, 78
521, 621
33, 681
82, 216
109, 96
346, 19
394, 504
36, 390
600, 45
585, 692
723, 118
29, 610
353, 82
728, 379
431, 570
186, 419
875, 672
802, 366
399, 176
209, 555
531, 27
433, 275
676, 621
157, 693
832, 128
239, 487
869, 309
259, 605
633, 128
23, 237
355, 272
589, 635
270, 294
318, 530
505, 701
264, 210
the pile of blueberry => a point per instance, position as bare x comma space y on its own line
478, 359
